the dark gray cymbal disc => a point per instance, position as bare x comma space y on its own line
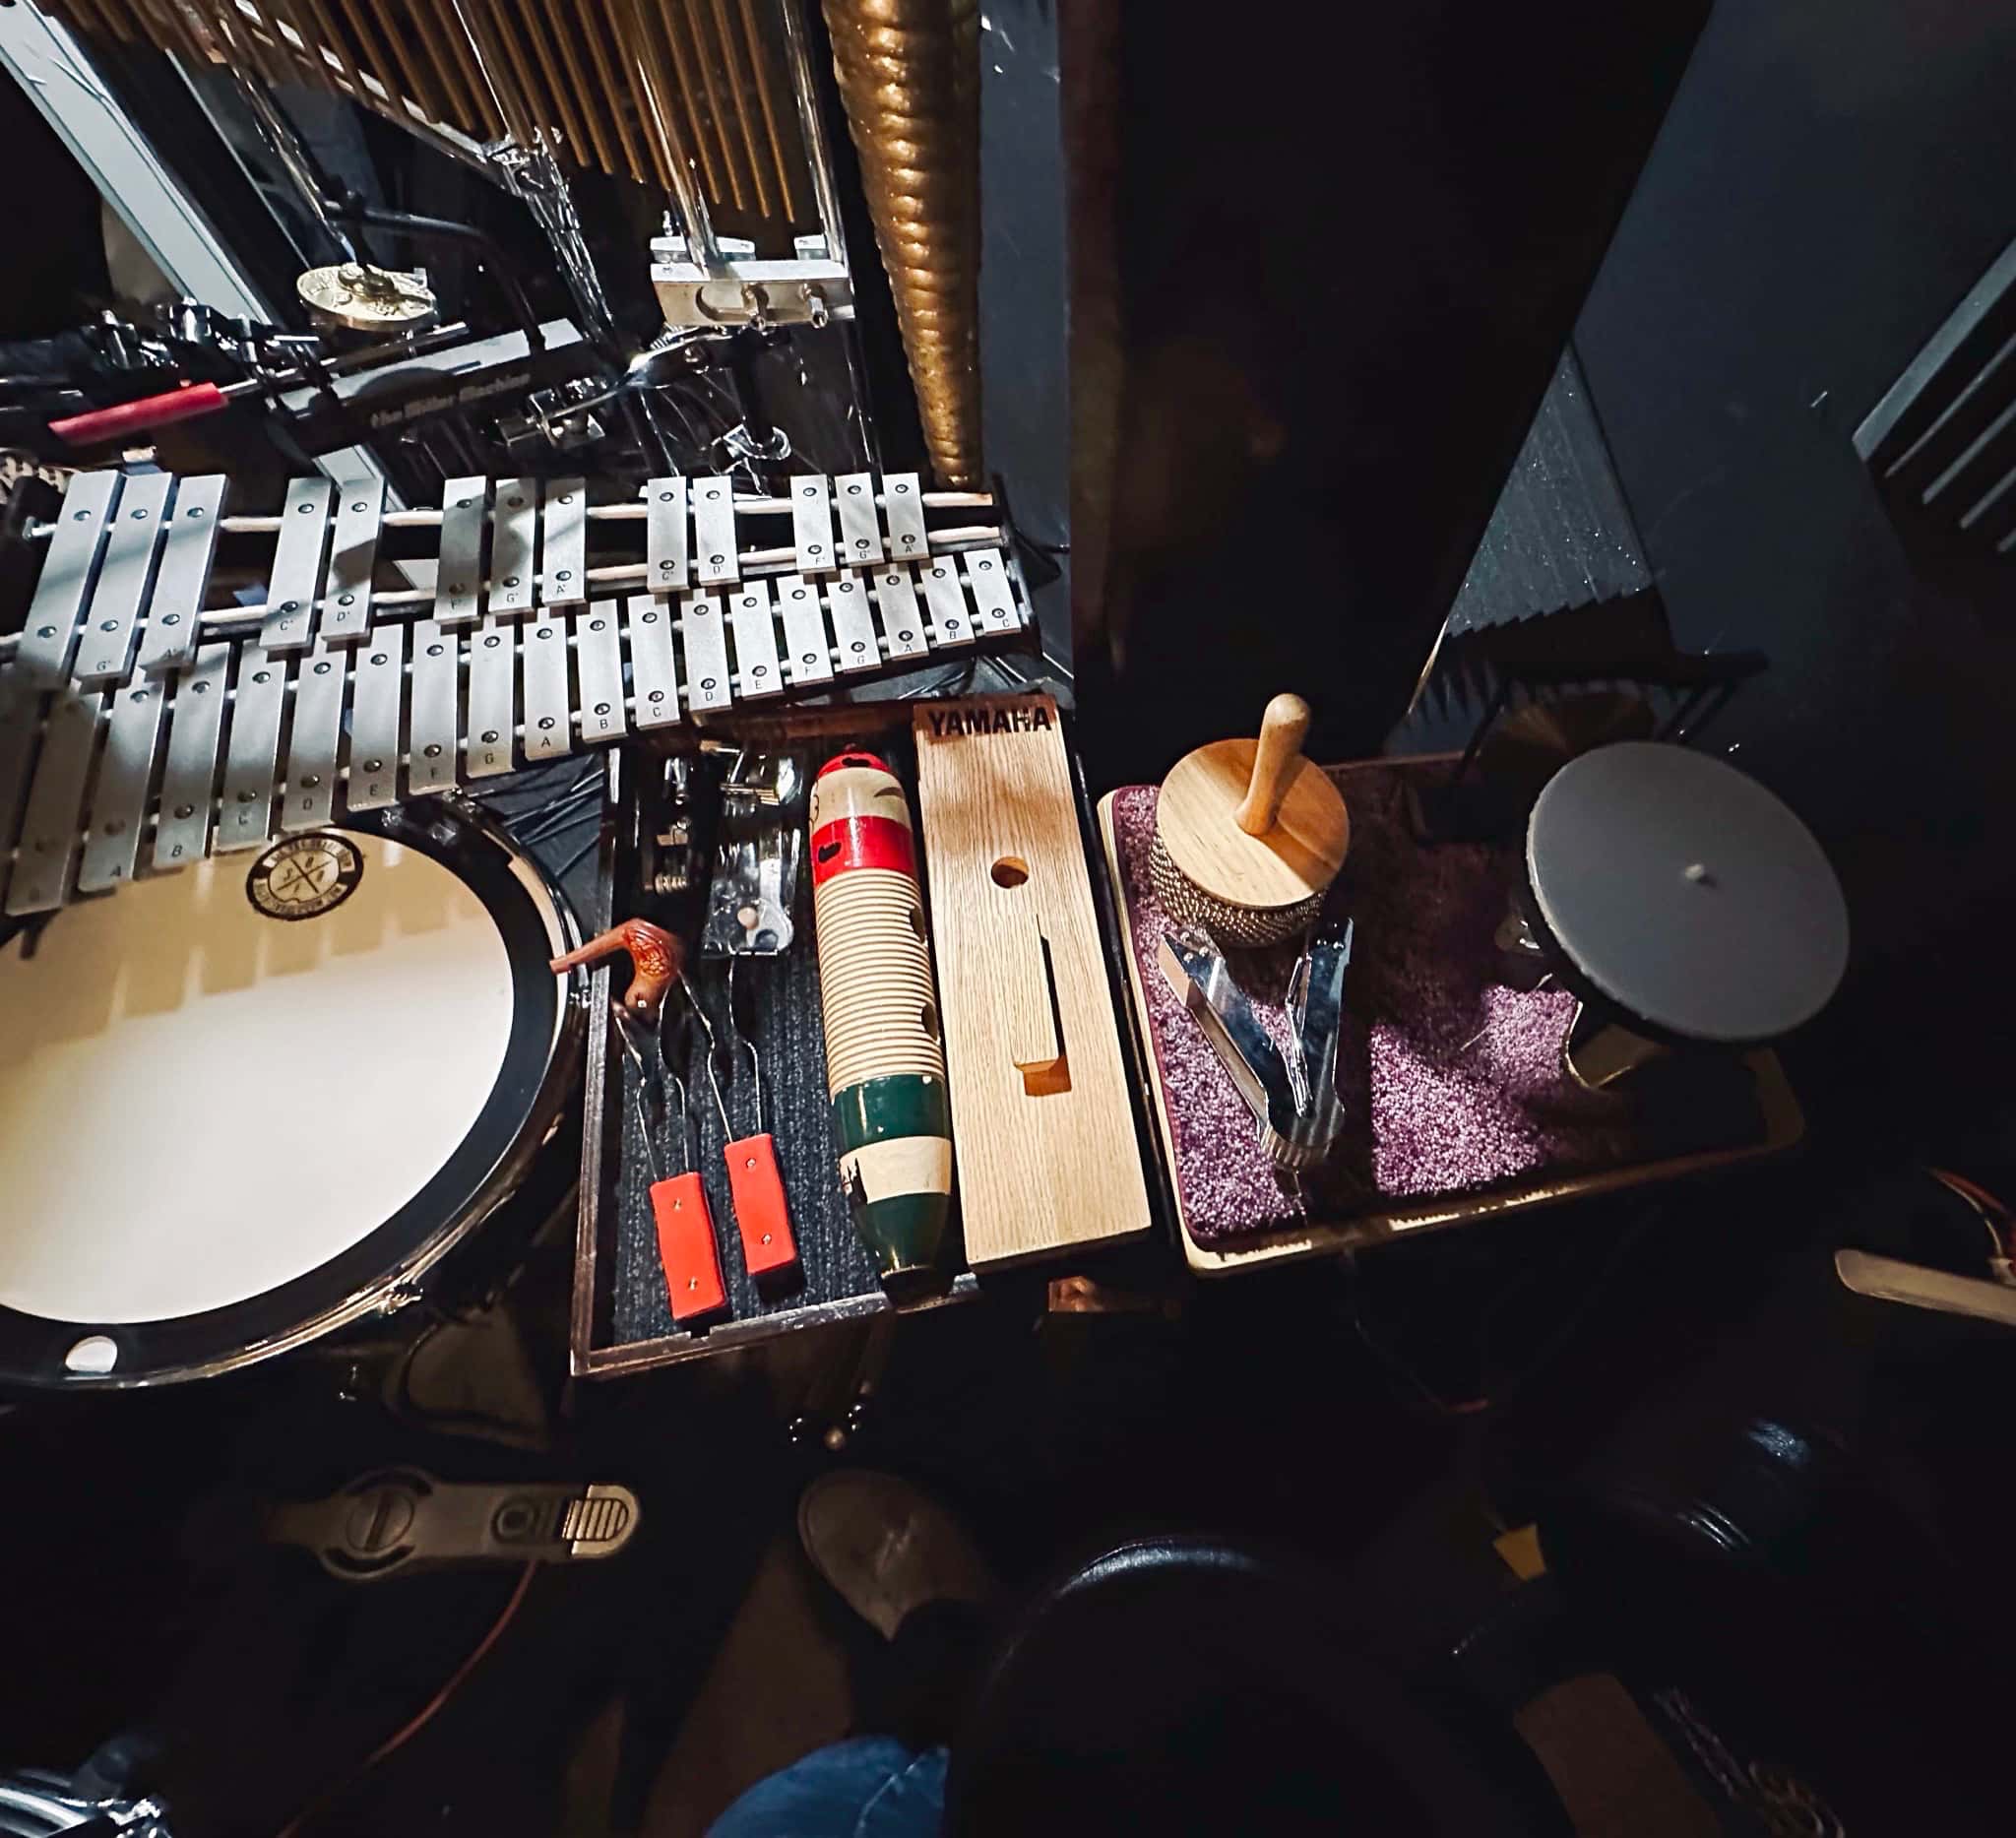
1685, 893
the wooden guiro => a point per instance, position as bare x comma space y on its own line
885, 1055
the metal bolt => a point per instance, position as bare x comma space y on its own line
900, 489
566, 497
713, 561
903, 636
262, 676
109, 625
596, 625
373, 765
463, 504
666, 497
650, 618
345, 599
859, 645
564, 574
602, 707
171, 619
202, 688
983, 566
707, 682
140, 517
810, 657
657, 696
812, 548
358, 507
546, 721
196, 510
432, 749
186, 810
322, 667
311, 782
249, 798
378, 658
305, 509
81, 517
139, 695
491, 641
544, 631
46, 631
761, 669
291, 606
490, 737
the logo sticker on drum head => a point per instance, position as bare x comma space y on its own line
304, 876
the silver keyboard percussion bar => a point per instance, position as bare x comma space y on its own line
147, 721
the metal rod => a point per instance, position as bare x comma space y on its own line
812, 128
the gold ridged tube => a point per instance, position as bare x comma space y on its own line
909, 73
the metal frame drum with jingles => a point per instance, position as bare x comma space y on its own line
383, 1107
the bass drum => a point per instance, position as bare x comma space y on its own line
246, 1103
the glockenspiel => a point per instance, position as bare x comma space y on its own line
145, 721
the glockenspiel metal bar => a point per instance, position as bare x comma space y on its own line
492, 697
807, 655
755, 631
860, 534
903, 505
993, 598
853, 628
55, 803
812, 524
296, 578
20, 708
666, 563
514, 533
549, 711
196, 720
352, 556
259, 698
598, 667
896, 599
565, 553
707, 653
315, 740
433, 741
715, 559
175, 606
111, 621
459, 576
377, 682
950, 626
654, 678
118, 805
48, 636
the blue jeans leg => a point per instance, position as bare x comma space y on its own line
872, 1787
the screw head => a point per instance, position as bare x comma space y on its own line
435, 651
546, 721
322, 667
358, 507
490, 737
602, 707
345, 599
262, 676
432, 749
378, 658
713, 561
564, 574
311, 781
707, 682
596, 625
186, 810
373, 765
171, 619
510, 580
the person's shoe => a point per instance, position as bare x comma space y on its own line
887, 1547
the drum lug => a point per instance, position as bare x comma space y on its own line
398, 1297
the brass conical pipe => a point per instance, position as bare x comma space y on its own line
908, 76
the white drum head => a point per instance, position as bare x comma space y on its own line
200, 1102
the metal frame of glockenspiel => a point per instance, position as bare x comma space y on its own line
53, 687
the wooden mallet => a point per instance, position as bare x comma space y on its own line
1248, 834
